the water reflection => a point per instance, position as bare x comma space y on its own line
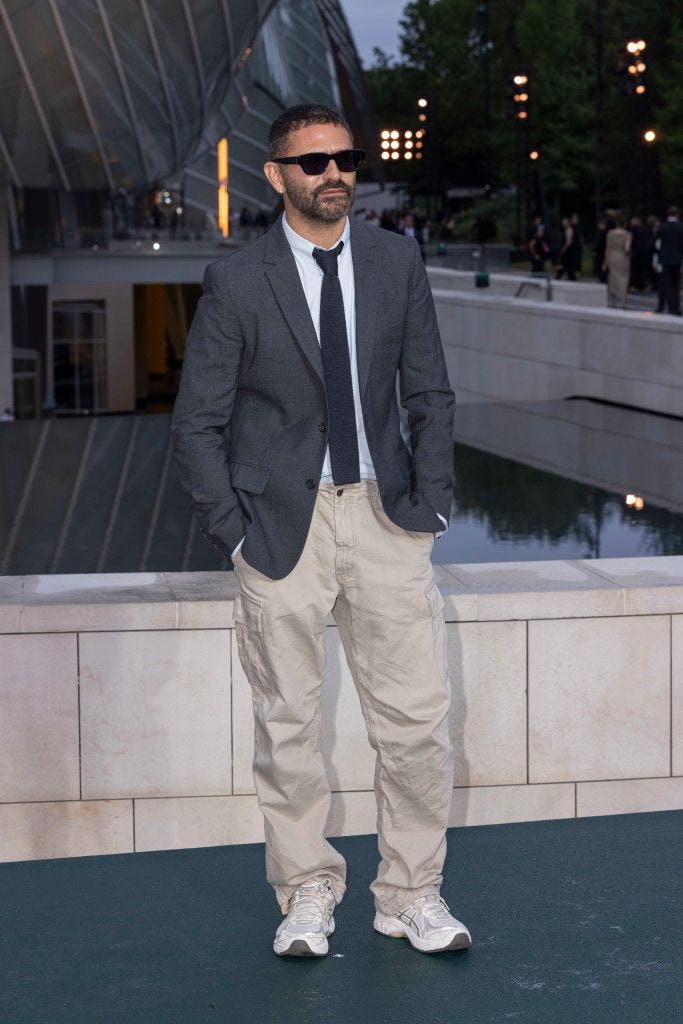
505, 510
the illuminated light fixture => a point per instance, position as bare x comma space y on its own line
418, 145
534, 154
522, 115
395, 144
418, 156
179, 210
520, 79
649, 135
640, 67
156, 246
422, 117
394, 134
408, 155
641, 44
394, 155
385, 155
386, 134
635, 501
408, 135
632, 69
223, 200
408, 144
632, 47
640, 89
422, 102
386, 144
419, 133
523, 97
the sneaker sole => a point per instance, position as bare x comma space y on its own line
393, 929
300, 948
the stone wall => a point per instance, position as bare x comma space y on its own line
500, 348
127, 724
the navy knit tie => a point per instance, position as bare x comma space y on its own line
334, 348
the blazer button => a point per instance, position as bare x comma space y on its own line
310, 484
322, 428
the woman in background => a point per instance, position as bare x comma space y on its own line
618, 263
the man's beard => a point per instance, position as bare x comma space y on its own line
315, 207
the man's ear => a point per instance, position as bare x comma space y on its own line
274, 175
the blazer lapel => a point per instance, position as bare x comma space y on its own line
284, 279
366, 281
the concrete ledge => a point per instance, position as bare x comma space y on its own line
108, 602
127, 720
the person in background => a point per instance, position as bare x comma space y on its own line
7, 416
539, 250
639, 254
570, 250
618, 263
599, 247
670, 238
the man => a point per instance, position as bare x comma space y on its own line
287, 434
670, 251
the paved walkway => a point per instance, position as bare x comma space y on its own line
574, 922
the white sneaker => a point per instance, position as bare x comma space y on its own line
427, 924
309, 922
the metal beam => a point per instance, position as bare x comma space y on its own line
4, 150
197, 57
71, 58
156, 50
34, 96
118, 64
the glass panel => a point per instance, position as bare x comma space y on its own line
86, 383
99, 331
85, 325
63, 324
100, 375
64, 356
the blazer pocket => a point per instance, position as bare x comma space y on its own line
247, 477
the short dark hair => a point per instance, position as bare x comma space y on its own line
300, 116
672, 211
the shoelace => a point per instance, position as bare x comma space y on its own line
310, 901
432, 904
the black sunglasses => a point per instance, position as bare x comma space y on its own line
316, 163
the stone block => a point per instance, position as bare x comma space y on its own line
39, 718
187, 822
205, 599
487, 666
155, 713
97, 601
599, 699
628, 796
493, 805
677, 695
11, 588
40, 831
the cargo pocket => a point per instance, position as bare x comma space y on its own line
251, 646
435, 606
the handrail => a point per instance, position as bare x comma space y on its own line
545, 282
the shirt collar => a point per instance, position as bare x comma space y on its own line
300, 246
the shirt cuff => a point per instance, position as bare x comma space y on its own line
232, 556
437, 535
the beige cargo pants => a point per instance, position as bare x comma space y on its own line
377, 581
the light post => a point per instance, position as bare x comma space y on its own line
520, 99
635, 86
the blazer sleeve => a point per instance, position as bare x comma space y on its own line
426, 395
202, 414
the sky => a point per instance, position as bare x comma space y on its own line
374, 23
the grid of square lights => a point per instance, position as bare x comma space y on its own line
391, 144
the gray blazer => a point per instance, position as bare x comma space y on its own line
249, 423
